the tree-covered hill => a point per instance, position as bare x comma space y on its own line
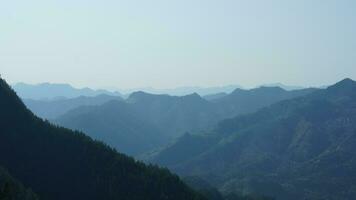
301, 148
58, 163
11, 189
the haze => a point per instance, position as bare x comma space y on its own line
165, 44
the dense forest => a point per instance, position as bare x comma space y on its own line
58, 163
294, 149
11, 189
178, 100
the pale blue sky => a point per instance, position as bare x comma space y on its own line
171, 43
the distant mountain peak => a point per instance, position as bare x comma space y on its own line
346, 85
192, 96
50, 91
259, 89
346, 82
75, 171
138, 93
141, 96
269, 88
283, 86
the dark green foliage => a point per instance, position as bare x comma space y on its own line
301, 148
198, 184
11, 189
234, 196
61, 164
211, 193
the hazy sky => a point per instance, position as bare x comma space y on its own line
170, 43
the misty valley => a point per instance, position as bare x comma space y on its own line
178, 100
261, 143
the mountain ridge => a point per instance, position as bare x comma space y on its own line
50, 91
58, 163
173, 116
292, 149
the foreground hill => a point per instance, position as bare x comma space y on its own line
51, 109
301, 148
11, 189
61, 164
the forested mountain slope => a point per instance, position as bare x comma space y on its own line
11, 189
61, 164
301, 148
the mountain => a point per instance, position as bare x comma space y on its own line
203, 187
301, 148
11, 189
212, 193
175, 115
283, 86
58, 163
192, 113
212, 97
50, 91
51, 109
118, 125
145, 122
247, 101
183, 91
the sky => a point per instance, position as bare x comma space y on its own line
174, 43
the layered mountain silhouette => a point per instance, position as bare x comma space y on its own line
58, 163
301, 148
175, 115
248, 101
54, 108
182, 91
212, 97
145, 122
118, 125
51, 91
